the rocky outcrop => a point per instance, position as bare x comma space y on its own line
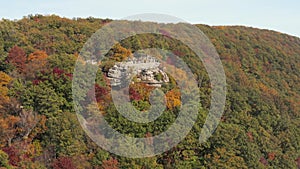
146, 69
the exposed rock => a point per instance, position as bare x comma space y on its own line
145, 68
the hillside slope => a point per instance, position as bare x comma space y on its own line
260, 127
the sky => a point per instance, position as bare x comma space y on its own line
278, 15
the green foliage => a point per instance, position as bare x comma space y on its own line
158, 76
259, 128
99, 157
66, 134
4, 162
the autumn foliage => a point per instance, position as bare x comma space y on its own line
173, 99
140, 91
110, 164
39, 127
63, 163
38, 55
120, 53
4, 82
17, 57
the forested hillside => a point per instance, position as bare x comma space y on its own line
260, 127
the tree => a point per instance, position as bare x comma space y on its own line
36, 63
140, 91
13, 155
38, 55
4, 162
4, 81
173, 99
65, 133
120, 53
63, 163
28, 122
100, 156
8, 128
17, 57
259, 127
110, 164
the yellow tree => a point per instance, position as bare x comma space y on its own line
4, 81
120, 53
8, 129
38, 55
173, 98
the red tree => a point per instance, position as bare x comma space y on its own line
100, 93
63, 163
13, 154
17, 57
134, 95
298, 162
263, 161
110, 164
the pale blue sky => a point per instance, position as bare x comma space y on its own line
279, 15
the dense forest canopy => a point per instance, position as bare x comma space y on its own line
38, 124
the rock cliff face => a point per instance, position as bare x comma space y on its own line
145, 68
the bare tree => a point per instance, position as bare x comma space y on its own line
28, 121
